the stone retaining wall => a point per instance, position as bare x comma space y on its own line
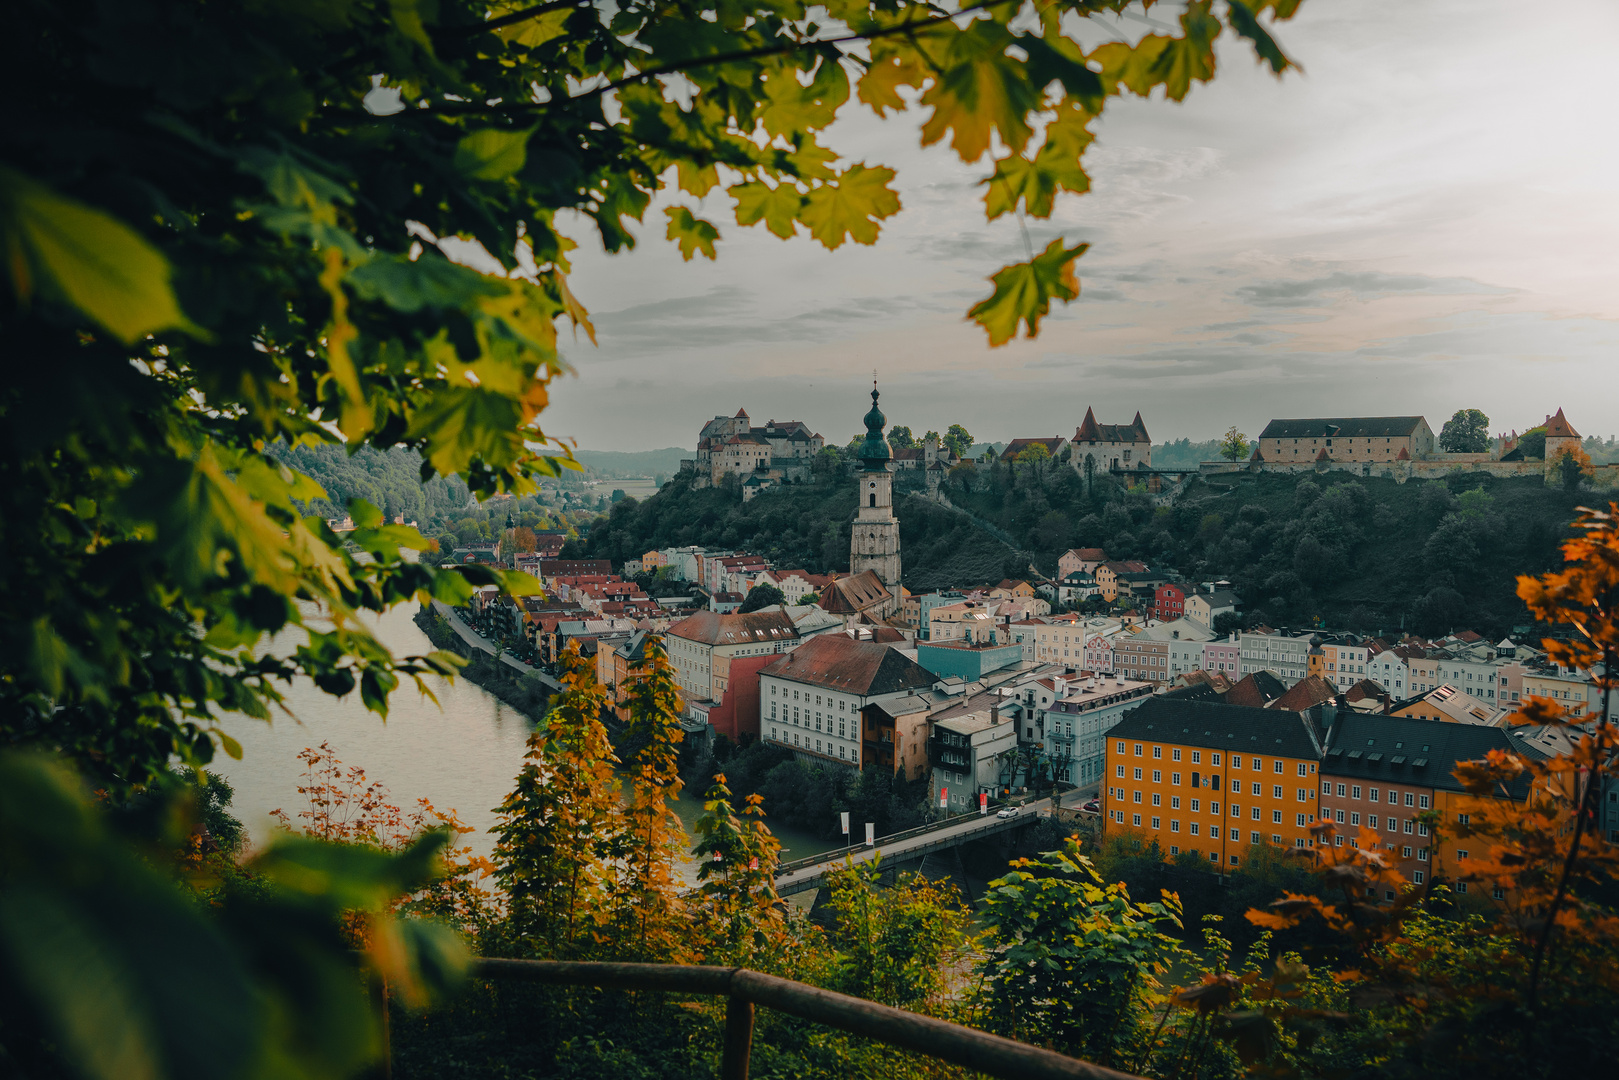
1607, 476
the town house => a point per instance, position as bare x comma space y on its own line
810, 700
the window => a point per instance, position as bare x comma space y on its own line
1158, 751
1461, 886
1416, 876
1259, 789
1371, 821
1303, 794
1138, 749
1422, 854
1236, 761
1194, 804
1214, 833
1157, 777
1197, 781
1276, 817
1138, 774
1340, 790
1405, 853
1214, 808
1461, 855
1174, 802
1410, 799
1136, 796
1120, 748
1214, 759
1197, 757
1301, 820
1236, 787
1302, 771
1422, 829
1157, 800
1277, 767
1276, 791
1118, 771
1155, 823
1354, 819
1255, 815
1175, 779
1498, 894
1422, 801
1354, 792
1236, 811
1135, 819
1461, 819
1175, 755
1372, 794
1340, 816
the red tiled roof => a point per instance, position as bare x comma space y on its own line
1558, 426
854, 594
1090, 431
712, 628
839, 662
1311, 690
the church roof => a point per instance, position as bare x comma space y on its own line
1090, 431
855, 593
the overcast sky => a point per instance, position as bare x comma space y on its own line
1423, 220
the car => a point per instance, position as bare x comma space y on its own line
1008, 811
1093, 807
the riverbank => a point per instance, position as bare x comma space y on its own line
525, 693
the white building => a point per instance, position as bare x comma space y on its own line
1076, 722
965, 751
810, 699
1284, 655
701, 647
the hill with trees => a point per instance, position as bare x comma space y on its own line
1363, 553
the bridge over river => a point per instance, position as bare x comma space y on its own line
807, 874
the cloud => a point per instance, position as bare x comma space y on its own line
1357, 285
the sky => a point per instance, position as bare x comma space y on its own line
1424, 219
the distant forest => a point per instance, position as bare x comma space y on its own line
1367, 554
390, 479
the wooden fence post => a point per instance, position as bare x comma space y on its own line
738, 1039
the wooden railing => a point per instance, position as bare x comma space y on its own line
745, 989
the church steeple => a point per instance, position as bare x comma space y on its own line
874, 452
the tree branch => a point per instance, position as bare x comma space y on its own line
514, 18
907, 28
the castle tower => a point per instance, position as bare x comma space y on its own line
874, 542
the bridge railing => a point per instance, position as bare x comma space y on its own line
745, 989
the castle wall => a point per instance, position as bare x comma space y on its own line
1607, 476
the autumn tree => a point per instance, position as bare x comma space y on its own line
1467, 432
736, 873
1573, 467
1234, 446
557, 829
645, 908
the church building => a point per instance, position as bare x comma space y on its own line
871, 592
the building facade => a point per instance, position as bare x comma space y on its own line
1351, 438
1212, 779
1077, 721
701, 646
810, 700
874, 538
1098, 448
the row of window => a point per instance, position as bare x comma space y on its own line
842, 705
1393, 823
1256, 763
843, 721
1258, 790
1192, 827
792, 738
1420, 801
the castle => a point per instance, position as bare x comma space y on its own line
732, 445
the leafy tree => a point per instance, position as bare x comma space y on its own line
736, 869
933, 435
1075, 960
1533, 443
1034, 454
896, 945
1226, 623
1573, 467
809, 599
1234, 447
959, 440
762, 596
900, 438
1467, 432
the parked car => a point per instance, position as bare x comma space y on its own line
1008, 811
1094, 806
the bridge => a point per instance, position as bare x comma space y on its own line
806, 874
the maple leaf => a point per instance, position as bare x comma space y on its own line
693, 234
777, 206
1056, 167
1024, 291
980, 91
1242, 16
792, 107
894, 64
850, 207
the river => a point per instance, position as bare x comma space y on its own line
461, 754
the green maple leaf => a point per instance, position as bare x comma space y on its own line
979, 91
777, 206
1055, 168
1242, 16
792, 107
493, 153
1157, 60
1024, 291
693, 234
851, 207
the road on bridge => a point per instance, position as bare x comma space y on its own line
804, 878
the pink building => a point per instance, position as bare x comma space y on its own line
1223, 656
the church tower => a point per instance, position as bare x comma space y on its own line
874, 543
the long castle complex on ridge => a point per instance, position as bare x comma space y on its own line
731, 444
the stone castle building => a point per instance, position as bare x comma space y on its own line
1098, 448
1352, 438
731, 444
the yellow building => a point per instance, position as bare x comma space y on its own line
1572, 692
1213, 779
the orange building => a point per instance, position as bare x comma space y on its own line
1213, 779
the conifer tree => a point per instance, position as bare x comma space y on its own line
645, 904
737, 869
556, 829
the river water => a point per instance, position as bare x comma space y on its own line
461, 754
